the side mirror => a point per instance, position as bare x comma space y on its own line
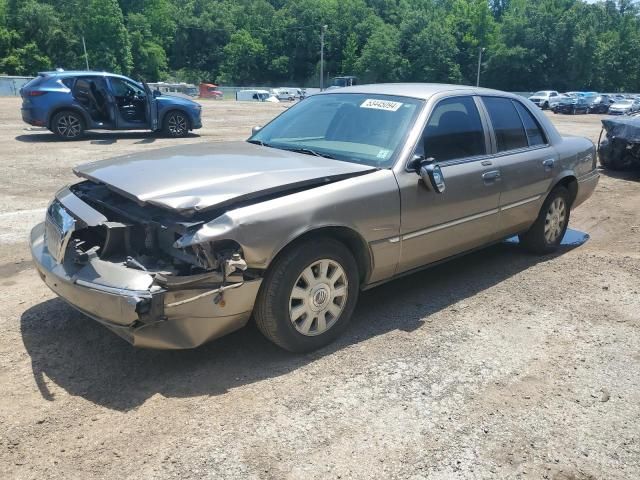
431, 174
156, 93
255, 130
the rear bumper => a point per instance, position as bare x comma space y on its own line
586, 186
126, 301
30, 116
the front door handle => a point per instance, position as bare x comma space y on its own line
548, 164
493, 175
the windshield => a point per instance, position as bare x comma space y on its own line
361, 128
624, 102
540, 94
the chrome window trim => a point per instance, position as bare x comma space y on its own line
423, 124
516, 150
544, 135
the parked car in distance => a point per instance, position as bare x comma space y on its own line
68, 103
562, 97
256, 96
341, 192
175, 88
572, 105
624, 107
545, 99
600, 104
288, 93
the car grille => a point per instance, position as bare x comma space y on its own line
59, 226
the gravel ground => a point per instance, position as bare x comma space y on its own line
496, 365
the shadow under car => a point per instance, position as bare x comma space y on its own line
86, 360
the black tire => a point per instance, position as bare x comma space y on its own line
176, 124
536, 239
68, 125
545, 106
275, 304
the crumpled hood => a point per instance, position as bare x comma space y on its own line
201, 176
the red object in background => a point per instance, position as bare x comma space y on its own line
210, 90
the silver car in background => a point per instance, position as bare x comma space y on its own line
625, 107
343, 191
545, 99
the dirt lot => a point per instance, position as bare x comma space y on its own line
497, 365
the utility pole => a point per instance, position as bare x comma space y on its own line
86, 57
322, 32
480, 50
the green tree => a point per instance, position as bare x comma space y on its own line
107, 39
25, 60
244, 59
350, 55
381, 59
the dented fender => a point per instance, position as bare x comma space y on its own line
368, 205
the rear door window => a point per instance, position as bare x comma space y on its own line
531, 126
68, 82
453, 131
507, 126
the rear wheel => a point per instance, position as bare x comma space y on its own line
176, 124
67, 125
546, 234
308, 295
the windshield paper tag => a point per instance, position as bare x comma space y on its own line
387, 105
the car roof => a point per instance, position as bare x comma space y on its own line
422, 91
80, 73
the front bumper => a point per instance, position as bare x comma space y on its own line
196, 120
127, 302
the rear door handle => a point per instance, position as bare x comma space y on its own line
548, 163
491, 176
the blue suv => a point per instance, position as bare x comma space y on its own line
68, 103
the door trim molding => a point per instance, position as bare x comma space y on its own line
519, 203
470, 218
452, 223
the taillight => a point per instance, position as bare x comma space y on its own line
36, 93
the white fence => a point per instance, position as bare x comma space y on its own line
10, 86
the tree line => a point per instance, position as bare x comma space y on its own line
560, 44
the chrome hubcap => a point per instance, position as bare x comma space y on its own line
555, 220
177, 124
318, 297
68, 126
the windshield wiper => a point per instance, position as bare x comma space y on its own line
308, 151
259, 142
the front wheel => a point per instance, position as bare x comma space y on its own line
67, 125
176, 124
546, 234
308, 295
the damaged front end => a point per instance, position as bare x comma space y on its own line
117, 261
620, 148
